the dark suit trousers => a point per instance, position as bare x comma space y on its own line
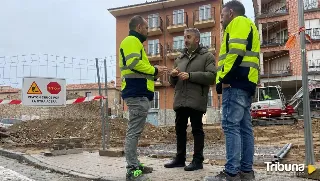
181, 122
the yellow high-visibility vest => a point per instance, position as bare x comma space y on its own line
239, 54
137, 74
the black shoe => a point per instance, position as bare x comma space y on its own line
194, 165
222, 176
247, 176
175, 163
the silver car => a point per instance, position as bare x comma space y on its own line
7, 122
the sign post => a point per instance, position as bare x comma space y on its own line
306, 102
41, 91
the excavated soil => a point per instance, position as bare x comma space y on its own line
39, 134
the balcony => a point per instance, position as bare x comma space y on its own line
173, 51
314, 34
274, 8
158, 83
281, 71
204, 18
273, 42
276, 64
274, 34
177, 22
162, 81
311, 5
155, 52
155, 26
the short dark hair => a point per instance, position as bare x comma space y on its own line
236, 6
135, 21
193, 30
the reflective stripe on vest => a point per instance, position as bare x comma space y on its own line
243, 64
241, 53
139, 76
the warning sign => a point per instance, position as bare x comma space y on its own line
34, 89
42, 91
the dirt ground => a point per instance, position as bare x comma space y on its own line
39, 134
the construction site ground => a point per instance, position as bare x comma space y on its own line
159, 142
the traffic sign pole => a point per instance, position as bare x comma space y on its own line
306, 103
102, 110
107, 108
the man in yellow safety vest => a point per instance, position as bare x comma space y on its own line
237, 77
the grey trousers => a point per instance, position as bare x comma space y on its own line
138, 108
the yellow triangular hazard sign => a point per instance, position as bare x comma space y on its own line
311, 169
34, 89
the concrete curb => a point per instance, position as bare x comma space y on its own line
22, 157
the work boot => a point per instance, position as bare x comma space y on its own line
175, 163
145, 169
194, 165
135, 174
247, 176
223, 176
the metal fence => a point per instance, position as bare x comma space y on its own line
85, 97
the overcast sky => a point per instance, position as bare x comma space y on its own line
71, 28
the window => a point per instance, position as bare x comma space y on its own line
282, 36
313, 57
153, 47
88, 94
153, 20
209, 98
155, 101
178, 17
205, 39
310, 4
178, 42
312, 28
268, 93
205, 12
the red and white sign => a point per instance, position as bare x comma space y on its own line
71, 101
41, 91
54, 87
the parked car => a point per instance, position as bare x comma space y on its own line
7, 122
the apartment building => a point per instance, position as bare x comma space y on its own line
167, 21
276, 19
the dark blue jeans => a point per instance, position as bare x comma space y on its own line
238, 131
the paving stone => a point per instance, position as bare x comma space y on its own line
113, 168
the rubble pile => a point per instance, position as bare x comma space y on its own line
40, 133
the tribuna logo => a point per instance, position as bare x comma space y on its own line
279, 167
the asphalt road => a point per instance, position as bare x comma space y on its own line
14, 171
